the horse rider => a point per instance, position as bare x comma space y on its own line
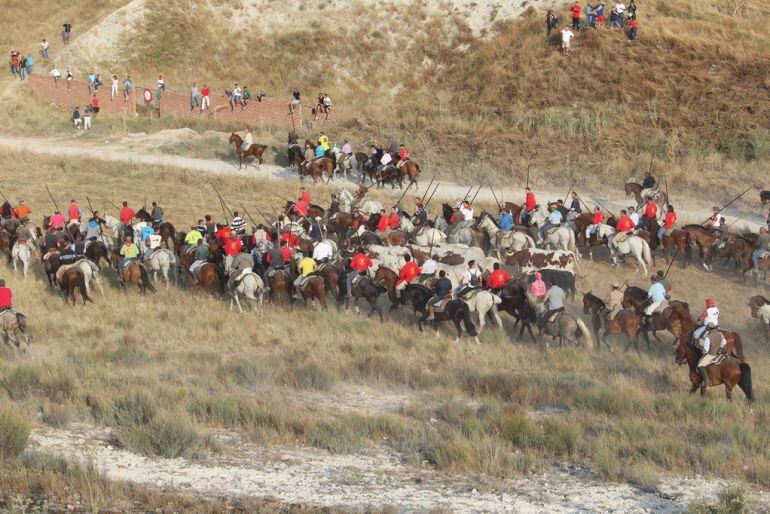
293, 139
360, 193
709, 316
127, 215
69, 254
248, 140
6, 297
347, 149
408, 274
392, 146
323, 142
403, 155
6, 211
303, 195
562, 208
472, 278
650, 211
762, 247
624, 228
23, 210
554, 220
428, 268
322, 252
153, 242
442, 290
505, 220
128, 252
466, 214
497, 279
238, 224
211, 227
359, 266
51, 240
24, 235
634, 215
385, 160
94, 227
301, 207
308, 155
554, 298
306, 266
718, 226
420, 217
656, 295
614, 301
597, 220
529, 205
192, 238
574, 207
156, 214
648, 184
56, 221
202, 252
74, 212
233, 247
277, 258
663, 279
711, 349
669, 224
317, 229
320, 151
538, 288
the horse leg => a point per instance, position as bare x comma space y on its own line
728, 391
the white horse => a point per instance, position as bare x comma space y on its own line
505, 241
429, 236
602, 231
21, 252
252, 287
345, 199
370, 207
91, 273
13, 323
483, 302
560, 238
634, 245
162, 261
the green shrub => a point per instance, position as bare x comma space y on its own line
14, 432
22, 381
309, 376
560, 438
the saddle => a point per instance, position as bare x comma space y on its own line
240, 275
50, 252
553, 317
469, 293
63, 268
274, 271
304, 280
357, 279
440, 304
552, 230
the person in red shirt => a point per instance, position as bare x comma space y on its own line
498, 278
651, 209
529, 205
576, 16
394, 220
624, 227
597, 220
407, 275
383, 223
304, 196
5, 297
290, 239
205, 100
233, 245
634, 29
95, 104
223, 235
403, 155
73, 211
301, 207
669, 224
359, 265
126, 215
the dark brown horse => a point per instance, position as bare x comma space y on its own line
633, 188
255, 150
280, 285
758, 310
334, 280
314, 288
683, 327
365, 288
625, 321
72, 279
676, 243
729, 372
205, 276
6, 243
313, 210
96, 251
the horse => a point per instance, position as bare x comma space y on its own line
367, 289
91, 274
334, 280
132, 273
729, 372
678, 241
71, 279
254, 150
162, 261
483, 302
428, 236
514, 301
409, 169
252, 287
13, 323
637, 246
314, 288
455, 310
704, 240
626, 321
22, 252
506, 242
659, 197
564, 326
295, 155
764, 196
683, 327
6, 244
316, 169
559, 238
760, 308
280, 287
96, 251
387, 278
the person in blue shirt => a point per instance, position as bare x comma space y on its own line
30, 63
656, 295
506, 220
319, 151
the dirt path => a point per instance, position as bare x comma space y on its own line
690, 210
307, 475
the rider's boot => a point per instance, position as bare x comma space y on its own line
704, 377
431, 313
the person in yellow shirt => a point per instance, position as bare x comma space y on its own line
323, 140
306, 267
192, 238
129, 251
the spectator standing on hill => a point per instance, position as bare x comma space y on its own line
76, 118
236, 94
599, 9
67, 32
631, 10
576, 16
91, 82
566, 37
205, 101
620, 8
22, 68
98, 82
550, 22
44, 50
30, 63
69, 78
590, 16
295, 100
87, 118
56, 74
114, 88
633, 29
127, 85
15, 62
194, 96
95, 104
161, 86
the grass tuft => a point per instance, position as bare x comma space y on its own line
14, 433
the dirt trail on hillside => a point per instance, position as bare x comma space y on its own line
311, 476
690, 210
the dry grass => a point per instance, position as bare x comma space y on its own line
164, 380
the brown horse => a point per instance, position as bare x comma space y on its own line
703, 239
205, 275
758, 310
683, 327
96, 251
279, 287
748, 265
633, 188
409, 170
6, 243
314, 288
625, 321
729, 372
315, 169
334, 281
737, 249
132, 273
70, 280
255, 150
676, 243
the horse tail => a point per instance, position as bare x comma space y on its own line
589, 339
738, 347
21, 321
646, 254
80, 282
530, 242
745, 382
146, 279
469, 326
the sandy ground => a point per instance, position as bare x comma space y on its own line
136, 149
310, 476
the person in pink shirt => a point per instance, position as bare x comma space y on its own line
538, 288
56, 221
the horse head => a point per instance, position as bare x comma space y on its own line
235, 138
681, 354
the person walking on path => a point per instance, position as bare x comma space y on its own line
67, 32
114, 88
87, 118
30, 64
161, 86
44, 50
22, 68
56, 74
127, 85
194, 102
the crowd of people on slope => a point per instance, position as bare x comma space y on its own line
594, 16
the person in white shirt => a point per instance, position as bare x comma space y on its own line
633, 215
56, 74
248, 140
322, 252
428, 269
384, 161
620, 10
466, 213
566, 36
114, 90
710, 316
44, 49
471, 278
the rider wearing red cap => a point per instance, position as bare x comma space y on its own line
710, 316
